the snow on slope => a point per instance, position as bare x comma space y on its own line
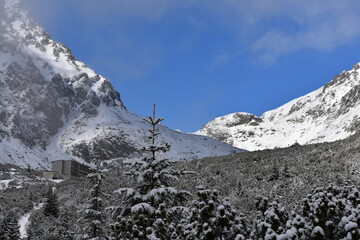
52, 106
24, 221
330, 113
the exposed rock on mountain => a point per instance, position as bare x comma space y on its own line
327, 114
52, 106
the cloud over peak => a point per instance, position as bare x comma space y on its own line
312, 25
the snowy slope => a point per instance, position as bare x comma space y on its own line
327, 114
52, 106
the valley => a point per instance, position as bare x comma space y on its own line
291, 173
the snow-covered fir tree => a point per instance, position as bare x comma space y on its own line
92, 215
330, 213
153, 208
333, 212
272, 219
213, 218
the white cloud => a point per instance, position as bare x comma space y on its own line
316, 25
272, 29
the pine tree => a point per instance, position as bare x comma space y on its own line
275, 175
92, 214
153, 207
9, 228
286, 172
51, 206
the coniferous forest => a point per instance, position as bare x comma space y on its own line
156, 198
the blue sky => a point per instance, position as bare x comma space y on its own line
200, 59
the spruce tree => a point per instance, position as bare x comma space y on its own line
51, 206
275, 175
153, 207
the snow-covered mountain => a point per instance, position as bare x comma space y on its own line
330, 113
52, 106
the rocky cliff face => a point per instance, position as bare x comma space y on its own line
52, 106
327, 114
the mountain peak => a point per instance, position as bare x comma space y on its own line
13, 15
53, 106
327, 114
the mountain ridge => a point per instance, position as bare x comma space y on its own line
52, 106
327, 114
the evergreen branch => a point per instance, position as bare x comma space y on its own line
154, 148
158, 121
154, 133
152, 121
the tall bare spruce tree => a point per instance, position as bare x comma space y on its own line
152, 208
